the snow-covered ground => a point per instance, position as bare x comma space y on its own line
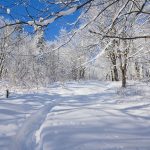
88, 115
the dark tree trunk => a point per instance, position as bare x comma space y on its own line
116, 78
112, 76
123, 77
7, 93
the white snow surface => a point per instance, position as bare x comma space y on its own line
89, 115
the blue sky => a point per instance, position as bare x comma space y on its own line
18, 12
55, 27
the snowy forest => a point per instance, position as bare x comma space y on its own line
99, 60
109, 41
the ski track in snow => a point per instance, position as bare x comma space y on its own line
25, 139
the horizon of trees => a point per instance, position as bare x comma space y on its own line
111, 42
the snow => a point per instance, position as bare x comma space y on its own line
67, 12
43, 22
8, 11
31, 23
48, 21
88, 115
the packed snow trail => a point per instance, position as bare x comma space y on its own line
24, 139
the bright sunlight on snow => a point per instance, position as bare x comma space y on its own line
76, 116
74, 74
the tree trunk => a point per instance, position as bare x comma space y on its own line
116, 78
123, 67
81, 73
123, 77
113, 57
112, 77
7, 93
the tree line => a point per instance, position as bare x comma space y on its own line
110, 41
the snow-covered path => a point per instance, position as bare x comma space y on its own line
24, 138
80, 116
